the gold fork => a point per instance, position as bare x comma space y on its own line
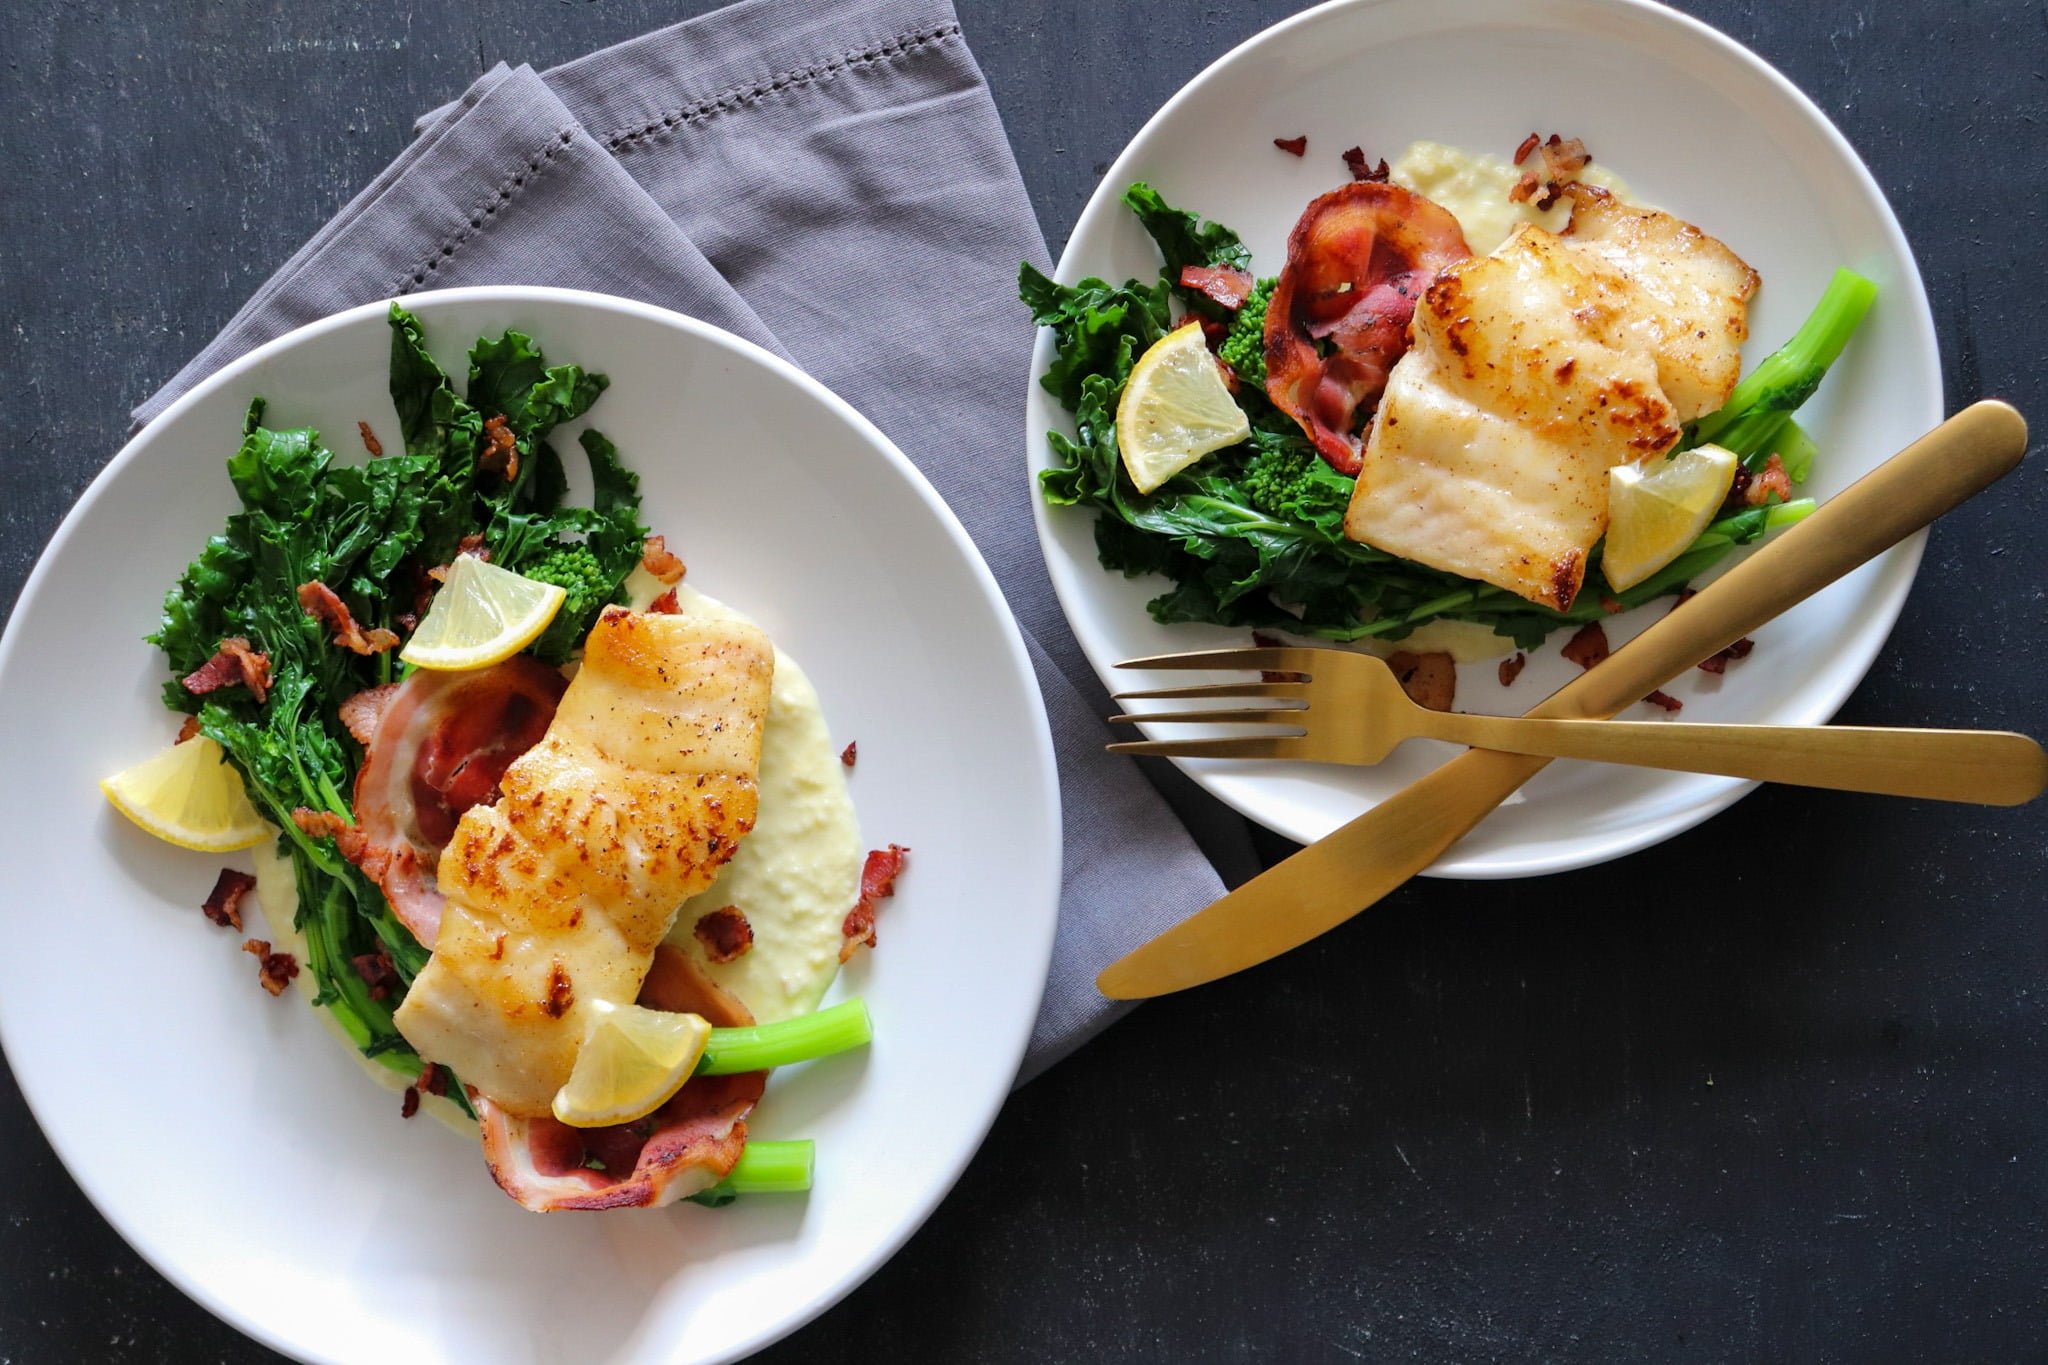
1346, 707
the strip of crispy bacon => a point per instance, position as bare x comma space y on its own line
441, 744
682, 1148
659, 560
1357, 260
320, 602
877, 883
1225, 284
224, 903
233, 663
725, 934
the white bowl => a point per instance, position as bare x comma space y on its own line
237, 1147
1697, 125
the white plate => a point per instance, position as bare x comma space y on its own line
1697, 125
240, 1150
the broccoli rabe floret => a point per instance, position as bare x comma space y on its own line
1286, 478
576, 569
1244, 349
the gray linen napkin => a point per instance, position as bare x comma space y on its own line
829, 180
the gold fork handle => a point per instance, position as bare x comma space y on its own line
1983, 767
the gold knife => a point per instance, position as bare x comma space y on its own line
1334, 878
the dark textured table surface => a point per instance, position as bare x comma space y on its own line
1773, 1090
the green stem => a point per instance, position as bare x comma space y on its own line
808, 1036
772, 1168
1788, 376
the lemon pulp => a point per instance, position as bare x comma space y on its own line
190, 796
1655, 511
1175, 409
632, 1060
481, 616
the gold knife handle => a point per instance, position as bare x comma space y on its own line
1336, 877
1982, 767
1950, 464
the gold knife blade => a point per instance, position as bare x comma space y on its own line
1336, 877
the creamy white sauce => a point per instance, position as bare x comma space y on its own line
798, 873
794, 877
1474, 187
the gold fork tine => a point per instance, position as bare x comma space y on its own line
1248, 746
1281, 715
1236, 689
1282, 658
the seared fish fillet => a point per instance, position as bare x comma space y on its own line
1533, 370
558, 894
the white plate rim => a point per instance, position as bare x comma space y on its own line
1013, 1046
1898, 566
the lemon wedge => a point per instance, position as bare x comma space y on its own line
483, 615
188, 795
1655, 511
632, 1060
1175, 409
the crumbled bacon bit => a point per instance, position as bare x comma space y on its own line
1224, 284
1293, 146
666, 604
361, 712
1764, 483
500, 454
877, 883
1666, 701
189, 730
377, 972
473, 544
658, 560
851, 753
1610, 604
274, 970
725, 934
560, 996
1563, 159
1511, 669
1361, 169
1588, 647
224, 903
1718, 663
410, 1104
1685, 595
319, 601
233, 662
1430, 680
1265, 641
370, 441
433, 1080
